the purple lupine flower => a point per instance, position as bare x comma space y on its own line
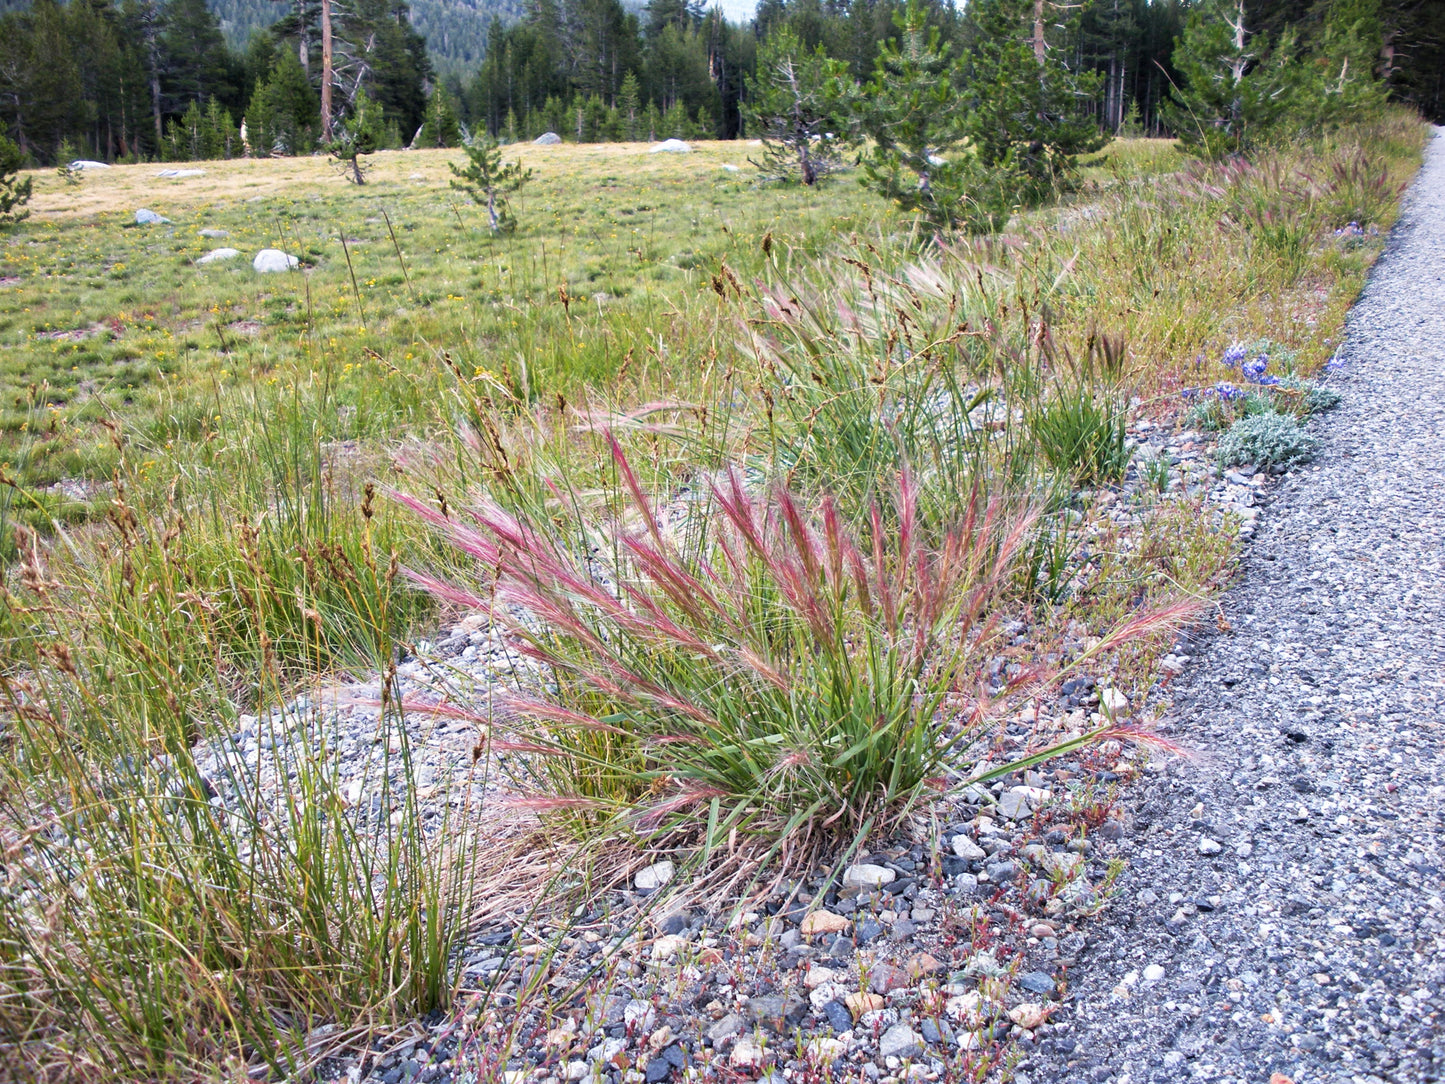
1233, 356
1227, 391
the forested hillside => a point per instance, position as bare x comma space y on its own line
126, 79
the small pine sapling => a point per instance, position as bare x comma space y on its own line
64, 169
487, 181
798, 105
14, 192
361, 133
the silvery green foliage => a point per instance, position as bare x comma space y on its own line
1313, 398
1266, 440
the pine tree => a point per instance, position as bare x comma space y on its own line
798, 105
284, 115
362, 133
14, 192
441, 128
1339, 82
1229, 97
629, 106
1027, 110
914, 112
675, 123
487, 181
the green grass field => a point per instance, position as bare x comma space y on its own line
107, 320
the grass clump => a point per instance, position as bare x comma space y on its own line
761, 672
1267, 440
175, 905
1081, 424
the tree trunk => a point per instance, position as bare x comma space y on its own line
303, 39
1039, 45
326, 71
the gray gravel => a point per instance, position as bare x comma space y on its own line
1282, 912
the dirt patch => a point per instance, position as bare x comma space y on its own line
77, 334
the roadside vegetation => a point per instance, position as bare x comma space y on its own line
786, 495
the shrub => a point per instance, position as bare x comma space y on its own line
1266, 440
1305, 396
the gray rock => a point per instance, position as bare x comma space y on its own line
174, 174
218, 255
547, 139
146, 217
1017, 803
838, 1016
1038, 982
670, 146
725, 1028
269, 260
214, 234
900, 1041
82, 164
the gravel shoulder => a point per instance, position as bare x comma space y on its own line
1283, 912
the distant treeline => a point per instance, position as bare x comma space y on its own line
135, 79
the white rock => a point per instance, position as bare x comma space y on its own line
1017, 803
145, 217
86, 163
818, 975
864, 875
639, 1015
1209, 846
547, 139
216, 255
934, 160
214, 234
747, 1054
173, 173
273, 259
670, 146
1113, 702
668, 946
576, 1070
964, 1005
654, 876
825, 1050
965, 847
730, 167
1152, 974
1028, 1015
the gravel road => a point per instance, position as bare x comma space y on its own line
1283, 912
